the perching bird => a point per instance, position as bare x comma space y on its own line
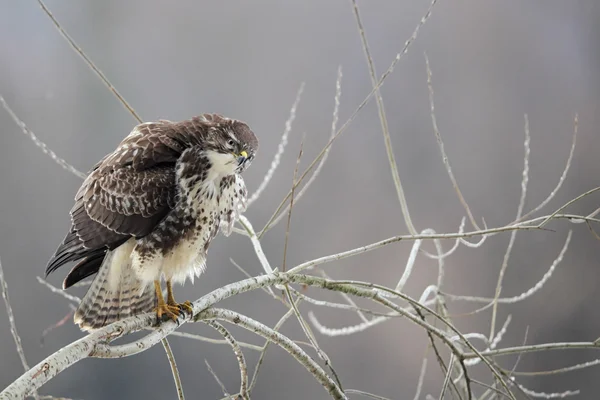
149, 210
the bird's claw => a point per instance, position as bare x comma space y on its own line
165, 312
186, 306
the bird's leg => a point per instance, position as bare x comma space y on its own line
164, 311
186, 305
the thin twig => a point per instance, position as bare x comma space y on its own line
280, 150
528, 293
382, 79
13, 325
39, 143
238, 354
365, 394
394, 239
266, 346
256, 243
174, 370
440, 143
221, 385
562, 176
421, 378
289, 219
550, 217
351, 302
214, 341
384, 124
311, 337
447, 377
56, 290
282, 341
513, 234
280, 212
89, 62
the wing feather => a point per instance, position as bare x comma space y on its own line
126, 194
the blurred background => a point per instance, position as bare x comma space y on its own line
492, 63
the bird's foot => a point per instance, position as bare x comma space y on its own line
164, 312
186, 306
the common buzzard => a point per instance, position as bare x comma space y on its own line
149, 210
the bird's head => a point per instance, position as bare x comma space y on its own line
230, 144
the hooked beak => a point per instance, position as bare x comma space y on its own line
242, 157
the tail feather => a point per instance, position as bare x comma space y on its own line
116, 293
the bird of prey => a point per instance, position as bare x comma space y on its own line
149, 210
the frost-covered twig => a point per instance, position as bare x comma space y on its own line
291, 208
276, 328
200, 338
256, 243
238, 354
421, 378
544, 395
550, 217
96, 344
394, 239
174, 370
39, 143
280, 211
513, 234
311, 337
575, 367
219, 382
528, 293
461, 229
292, 348
280, 149
56, 290
365, 394
440, 143
562, 176
366, 100
13, 325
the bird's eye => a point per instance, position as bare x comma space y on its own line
231, 143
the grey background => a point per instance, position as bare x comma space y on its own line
492, 61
